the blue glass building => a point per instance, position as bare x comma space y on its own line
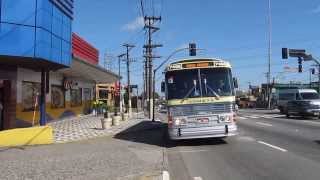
37, 32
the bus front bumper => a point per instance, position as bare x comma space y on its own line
202, 132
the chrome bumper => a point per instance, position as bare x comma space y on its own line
203, 132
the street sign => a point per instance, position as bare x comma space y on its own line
297, 52
134, 86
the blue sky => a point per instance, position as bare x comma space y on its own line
230, 29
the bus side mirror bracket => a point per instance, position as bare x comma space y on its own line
235, 83
163, 86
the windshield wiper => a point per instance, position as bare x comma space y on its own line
190, 91
188, 94
213, 92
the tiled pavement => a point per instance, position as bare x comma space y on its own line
87, 127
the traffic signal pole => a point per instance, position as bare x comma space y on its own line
302, 56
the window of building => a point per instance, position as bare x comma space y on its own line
57, 97
103, 94
30, 95
76, 97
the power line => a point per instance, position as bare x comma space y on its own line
142, 8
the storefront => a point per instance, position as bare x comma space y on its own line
34, 35
71, 92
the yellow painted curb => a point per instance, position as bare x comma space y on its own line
26, 136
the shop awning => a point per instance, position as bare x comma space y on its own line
84, 70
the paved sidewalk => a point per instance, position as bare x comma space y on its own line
135, 153
88, 127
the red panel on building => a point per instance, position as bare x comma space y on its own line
83, 50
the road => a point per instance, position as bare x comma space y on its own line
269, 146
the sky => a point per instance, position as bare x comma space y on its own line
233, 30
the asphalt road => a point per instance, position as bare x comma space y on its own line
269, 146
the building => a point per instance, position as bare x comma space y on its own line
106, 93
46, 72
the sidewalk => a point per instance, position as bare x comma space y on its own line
88, 127
135, 151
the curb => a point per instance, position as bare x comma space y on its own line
26, 136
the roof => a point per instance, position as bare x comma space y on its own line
187, 60
87, 71
196, 61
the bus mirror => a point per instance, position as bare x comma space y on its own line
162, 86
235, 82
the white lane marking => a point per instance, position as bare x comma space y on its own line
192, 151
197, 178
241, 117
264, 124
312, 122
272, 146
253, 117
165, 175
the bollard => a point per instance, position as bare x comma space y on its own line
103, 126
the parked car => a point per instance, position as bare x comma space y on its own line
306, 103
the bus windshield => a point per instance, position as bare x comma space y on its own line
208, 82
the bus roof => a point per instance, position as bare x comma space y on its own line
192, 63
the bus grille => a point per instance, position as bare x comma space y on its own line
201, 109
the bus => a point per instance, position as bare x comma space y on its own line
200, 98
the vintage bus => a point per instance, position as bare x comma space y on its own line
200, 98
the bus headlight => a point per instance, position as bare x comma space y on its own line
226, 118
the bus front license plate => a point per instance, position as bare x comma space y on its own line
203, 120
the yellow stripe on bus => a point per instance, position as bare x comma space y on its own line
200, 100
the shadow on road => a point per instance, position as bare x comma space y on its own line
199, 142
151, 133
317, 141
145, 132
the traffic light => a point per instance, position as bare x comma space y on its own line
192, 49
284, 53
300, 65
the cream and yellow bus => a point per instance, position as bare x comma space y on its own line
200, 98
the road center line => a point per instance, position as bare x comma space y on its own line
272, 146
264, 124
197, 178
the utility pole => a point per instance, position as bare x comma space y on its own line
119, 74
128, 47
149, 25
269, 54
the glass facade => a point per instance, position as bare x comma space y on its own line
36, 29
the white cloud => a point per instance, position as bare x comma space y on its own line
134, 25
316, 10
